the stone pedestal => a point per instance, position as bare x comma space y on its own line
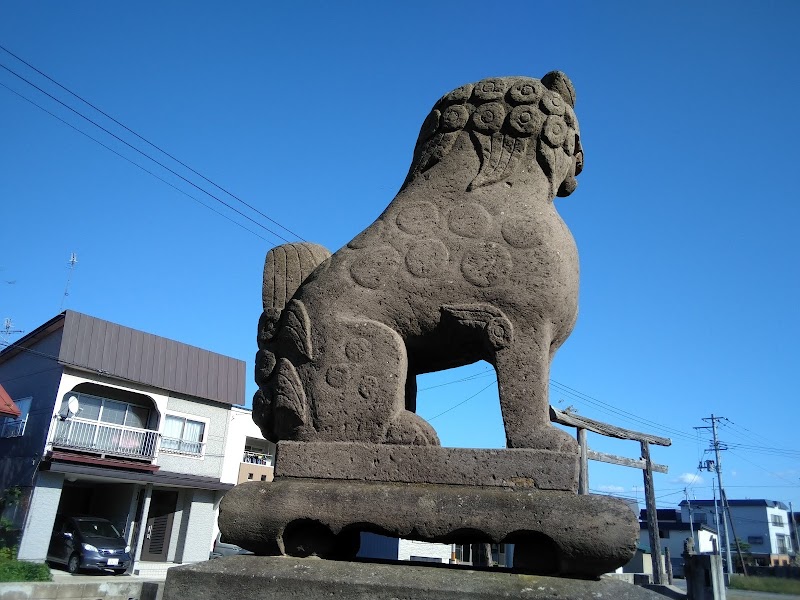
279, 578
554, 532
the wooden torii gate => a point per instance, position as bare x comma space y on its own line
645, 464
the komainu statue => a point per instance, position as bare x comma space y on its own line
469, 262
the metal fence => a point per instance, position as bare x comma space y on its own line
13, 428
257, 458
83, 434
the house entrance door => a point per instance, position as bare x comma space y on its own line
159, 525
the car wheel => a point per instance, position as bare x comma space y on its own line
74, 564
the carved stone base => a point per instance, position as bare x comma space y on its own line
355, 461
554, 532
279, 578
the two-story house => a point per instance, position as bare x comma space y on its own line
120, 424
762, 524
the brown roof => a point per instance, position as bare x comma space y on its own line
7, 406
103, 347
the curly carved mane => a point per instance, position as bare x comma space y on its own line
508, 119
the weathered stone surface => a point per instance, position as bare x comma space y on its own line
554, 532
527, 468
469, 261
278, 578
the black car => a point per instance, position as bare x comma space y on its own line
88, 543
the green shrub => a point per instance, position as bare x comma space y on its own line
776, 585
12, 569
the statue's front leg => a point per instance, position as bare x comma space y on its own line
523, 373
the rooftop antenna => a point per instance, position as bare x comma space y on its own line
73, 259
8, 329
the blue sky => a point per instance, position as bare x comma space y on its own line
685, 215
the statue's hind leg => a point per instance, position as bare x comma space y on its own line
360, 395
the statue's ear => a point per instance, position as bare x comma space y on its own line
558, 82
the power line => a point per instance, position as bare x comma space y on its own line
231, 194
609, 408
463, 401
480, 375
134, 148
135, 164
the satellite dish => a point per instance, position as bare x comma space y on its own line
73, 405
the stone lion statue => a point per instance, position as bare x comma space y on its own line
469, 261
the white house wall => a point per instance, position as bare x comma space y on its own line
216, 419
776, 530
705, 541
408, 548
240, 428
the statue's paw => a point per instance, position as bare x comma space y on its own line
546, 438
412, 430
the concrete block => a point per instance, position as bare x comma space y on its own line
523, 467
278, 578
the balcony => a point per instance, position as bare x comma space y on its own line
12, 427
108, 439
257, 458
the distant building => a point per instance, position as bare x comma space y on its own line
391, 548
674, 530
125, 425
763, 524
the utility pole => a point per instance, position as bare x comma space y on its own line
718, 469
691, 519
794, 530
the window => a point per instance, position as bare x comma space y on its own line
182, 435
755, 540
777, 520
784, 547
10, 427
95, 408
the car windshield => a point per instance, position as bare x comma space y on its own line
98, 529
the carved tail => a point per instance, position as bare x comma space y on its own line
279, 407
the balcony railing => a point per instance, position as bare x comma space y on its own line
257, 458
105, 438
179, 446
13, 427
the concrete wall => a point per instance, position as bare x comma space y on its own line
240, 428
41, 517
123, 589
198, 523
